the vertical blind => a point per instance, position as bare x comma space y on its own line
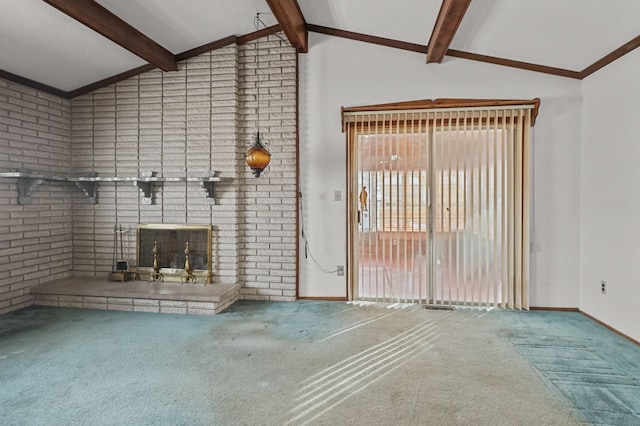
446, 217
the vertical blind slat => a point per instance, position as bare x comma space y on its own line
518, 219
505, 214
496, 168
526, 224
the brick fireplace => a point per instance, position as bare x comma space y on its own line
183, 123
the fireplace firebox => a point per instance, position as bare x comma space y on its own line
174, 252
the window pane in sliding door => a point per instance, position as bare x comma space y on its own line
393, 229
469, 172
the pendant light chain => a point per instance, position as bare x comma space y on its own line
257, 155
257, 61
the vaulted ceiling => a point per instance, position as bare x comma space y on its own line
69, 47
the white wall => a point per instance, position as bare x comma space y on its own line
610, 198
338, 72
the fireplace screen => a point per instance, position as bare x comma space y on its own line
170, 243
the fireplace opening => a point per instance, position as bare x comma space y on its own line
173, 244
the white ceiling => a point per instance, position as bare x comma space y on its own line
180, 25
570, 34
40, 43
404, 20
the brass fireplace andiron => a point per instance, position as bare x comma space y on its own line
188, 276
155, 275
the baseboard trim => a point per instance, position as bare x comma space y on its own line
605, 325
545, 308
328, 299
532, 308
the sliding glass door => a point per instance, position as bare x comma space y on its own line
438, 211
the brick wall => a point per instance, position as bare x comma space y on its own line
269, 204
187, 122
177, 124
36, 243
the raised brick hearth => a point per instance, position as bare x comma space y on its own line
137, 296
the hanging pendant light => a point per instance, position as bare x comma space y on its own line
257, 155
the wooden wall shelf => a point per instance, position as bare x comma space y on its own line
28, 181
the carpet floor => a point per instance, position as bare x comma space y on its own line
320, 363
597, 370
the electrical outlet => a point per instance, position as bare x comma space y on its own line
340, 270
603, 287
337, 196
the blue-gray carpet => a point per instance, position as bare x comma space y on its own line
597, 370
326, 363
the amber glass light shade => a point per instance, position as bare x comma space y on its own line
257, 156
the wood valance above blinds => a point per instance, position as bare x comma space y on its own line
477, 106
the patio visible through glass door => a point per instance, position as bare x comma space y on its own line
393, 215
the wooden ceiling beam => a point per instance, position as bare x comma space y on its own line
514, 64
613, 56
264, 32
101, 20
367, 38
290, 18
223, 42
32, 83
447, 23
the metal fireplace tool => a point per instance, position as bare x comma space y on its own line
121, 265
